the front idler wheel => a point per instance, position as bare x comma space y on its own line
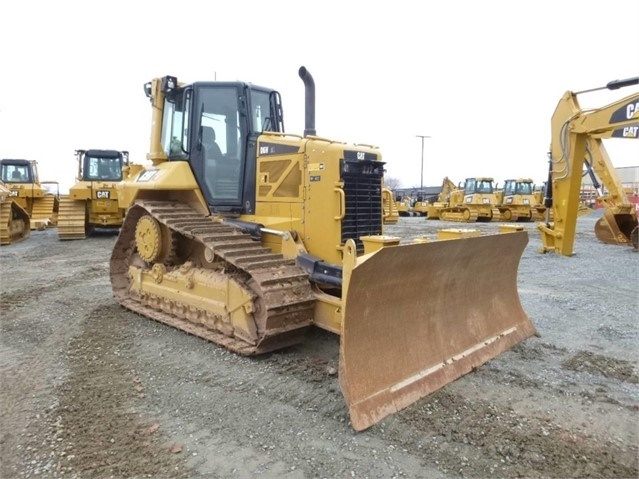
154, 241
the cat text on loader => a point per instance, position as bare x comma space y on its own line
247, 236
14, 220
577, 143
92, 203
21, 177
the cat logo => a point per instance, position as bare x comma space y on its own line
103, 195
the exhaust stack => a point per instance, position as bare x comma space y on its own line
309, 102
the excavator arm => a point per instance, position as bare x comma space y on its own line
447, 188
577, 143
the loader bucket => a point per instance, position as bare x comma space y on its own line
615, 228
419, 316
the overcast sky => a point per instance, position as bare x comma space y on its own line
481, 78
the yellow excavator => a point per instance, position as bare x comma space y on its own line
14, 219
577, 144
246, 235
92, 203
443, 199
21, 177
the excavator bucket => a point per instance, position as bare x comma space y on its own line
419, 316
615, 228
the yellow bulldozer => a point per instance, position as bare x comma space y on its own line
21, 177
420, 207
246, 235
404, 204
475, 200
15, 224
577, 144
92, 203
411, 202
520, 201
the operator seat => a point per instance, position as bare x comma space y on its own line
16, 176
211, 148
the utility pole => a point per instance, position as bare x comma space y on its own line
421, 177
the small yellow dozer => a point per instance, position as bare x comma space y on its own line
14, 220
250, 235
92, 202
21, 177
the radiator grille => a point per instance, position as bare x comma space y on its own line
363, 192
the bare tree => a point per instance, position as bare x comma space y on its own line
392, 183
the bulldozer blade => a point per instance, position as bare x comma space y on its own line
615, 228
419, 316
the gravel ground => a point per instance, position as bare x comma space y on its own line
90, 390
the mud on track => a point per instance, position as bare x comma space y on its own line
92, 390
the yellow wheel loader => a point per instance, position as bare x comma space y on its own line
21, 177
518, 201
577, 144
475, 201
247, 236
92, 203
14, 220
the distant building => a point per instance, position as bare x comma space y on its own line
629, 177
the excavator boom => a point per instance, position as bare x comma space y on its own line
577, 144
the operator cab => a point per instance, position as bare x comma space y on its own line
215, 126
18, 171
478, 185
102, 165
518, 187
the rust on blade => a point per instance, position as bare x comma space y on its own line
420, 316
